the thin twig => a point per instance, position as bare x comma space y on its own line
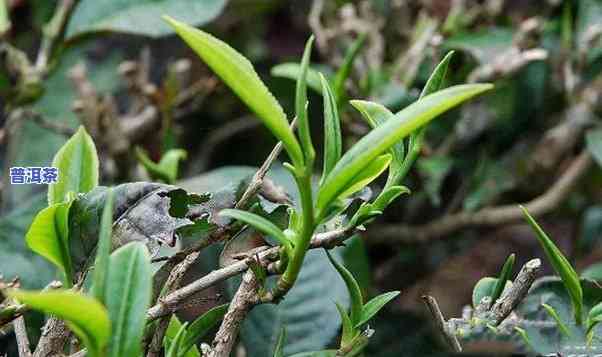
517, 292
21, 336
242, 302
52, 33
172, 283
257, 180
449, 336
552, 198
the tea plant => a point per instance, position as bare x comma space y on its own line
99, 238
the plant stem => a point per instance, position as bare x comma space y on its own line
286, 281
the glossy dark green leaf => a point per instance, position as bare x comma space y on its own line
48, 236
373, 306
139, 17
505, 275
238, 73
127, 297
386, 135
562, 267
85, 316
333, 144
101, 264
353, 288
77, 164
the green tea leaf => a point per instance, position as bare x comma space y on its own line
369, 174
373, 306
593, 139
561, 265
127, 297
594, 317
348, 331
103, 250
376, 115
259, 223
279, 349
48, 236
352, 286
332, 129
176, 344
504, 276
437, 78
301, 103
77, 163
550, 310
202, 325
293, 71
345, 69
170, 334
386, 135
85, 316
138, 16
166, 169
238, 73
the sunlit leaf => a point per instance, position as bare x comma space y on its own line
85, 316
369, 174
238, 73
594, 317
48, 236
77, 164
176, 344
386, 135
